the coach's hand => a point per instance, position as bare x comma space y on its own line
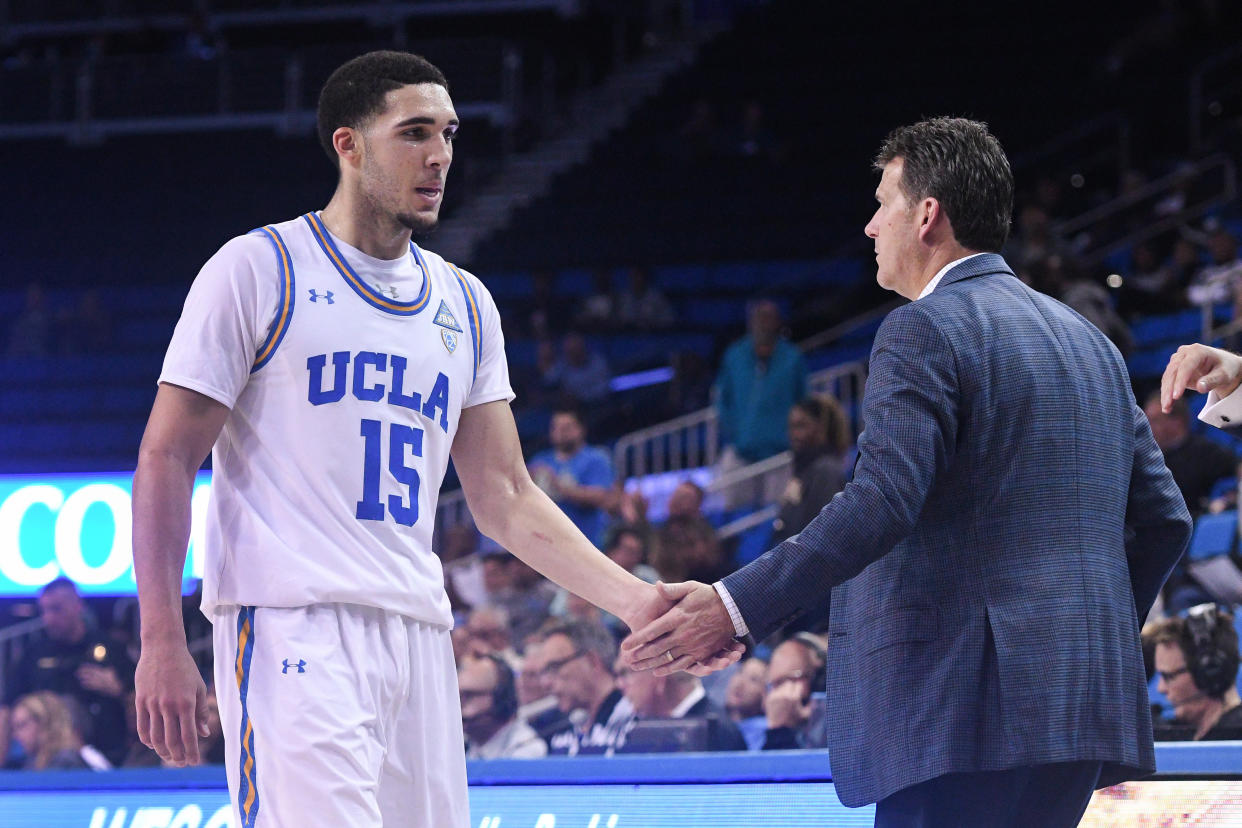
171, 702
695, 635
1199, 368
659, 600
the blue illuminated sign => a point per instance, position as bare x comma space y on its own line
548, 806
79, 526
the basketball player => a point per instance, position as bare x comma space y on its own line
331, 365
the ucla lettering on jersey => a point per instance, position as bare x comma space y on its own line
328, 467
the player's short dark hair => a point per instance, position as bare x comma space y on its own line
960, 164
354, 93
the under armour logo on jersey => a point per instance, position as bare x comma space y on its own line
391, 291
300, 664
444, 318
326, 296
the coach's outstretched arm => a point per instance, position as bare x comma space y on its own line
170, 696
509, 508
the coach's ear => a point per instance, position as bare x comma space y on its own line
933, 221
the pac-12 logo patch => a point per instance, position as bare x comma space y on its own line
450, 340
444, 318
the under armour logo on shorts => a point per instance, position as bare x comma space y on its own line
300, 664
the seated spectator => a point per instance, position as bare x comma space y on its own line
42, 724
761, 376
1221, 280
1150, 287
795, 672
71, 657
642, 306
1197, 660
686, 501
576, 476
744, 701
688, 549
1033, 239
676, 696
490, 634
578, 661
538, 706
819, 435
87, 328
579, 373
489, 707
546, 312
1196, 462
463, 567
627, 547
520, 591
598, 311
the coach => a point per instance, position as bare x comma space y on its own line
1009, 523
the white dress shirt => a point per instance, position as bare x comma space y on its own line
1223, 412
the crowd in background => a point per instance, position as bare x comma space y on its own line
538, 668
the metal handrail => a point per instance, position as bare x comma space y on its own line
1160, 186
78, 121
736, 527
1102, 125
629, 453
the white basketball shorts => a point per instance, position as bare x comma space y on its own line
339, 715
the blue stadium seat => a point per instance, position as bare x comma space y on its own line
1214, 535
680, 278
1180, 327
753, 543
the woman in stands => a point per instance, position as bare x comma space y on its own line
43, 726
819, 436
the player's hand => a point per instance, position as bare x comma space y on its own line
171, 702
695, 635
661, 598
100, 679
783, 706
1199, 368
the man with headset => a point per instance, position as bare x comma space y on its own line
1197, 661
489, 712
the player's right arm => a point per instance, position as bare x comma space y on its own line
169, 692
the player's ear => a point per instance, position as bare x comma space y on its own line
347, 142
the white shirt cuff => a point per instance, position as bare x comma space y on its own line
1223, 412
739, 626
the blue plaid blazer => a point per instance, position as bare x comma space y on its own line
1009, 523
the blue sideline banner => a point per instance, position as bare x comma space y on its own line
79, 526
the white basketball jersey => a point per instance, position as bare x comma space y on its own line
345, 376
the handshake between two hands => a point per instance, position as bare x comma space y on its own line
681, 627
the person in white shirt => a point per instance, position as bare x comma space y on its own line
489, 708
331, 366
1213, 371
